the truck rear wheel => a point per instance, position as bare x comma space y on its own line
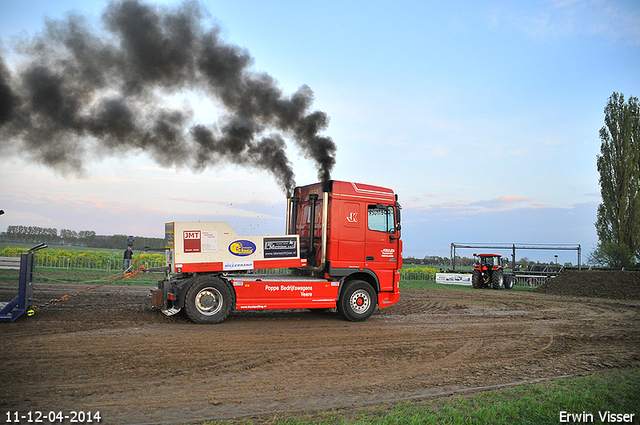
358, 301
208, 300
497, 279
476, 279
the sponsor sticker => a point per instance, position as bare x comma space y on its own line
192, 240
209, 241
388, 252
242, 248
280, 247
237, 265
168, 235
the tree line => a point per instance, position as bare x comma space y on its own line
83, 238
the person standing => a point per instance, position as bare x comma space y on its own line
128, 255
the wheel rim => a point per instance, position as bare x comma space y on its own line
209, 301
360, 301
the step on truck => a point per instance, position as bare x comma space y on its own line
342, 248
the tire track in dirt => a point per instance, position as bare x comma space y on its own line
110, 351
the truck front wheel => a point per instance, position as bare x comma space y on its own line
208, 300
357, 302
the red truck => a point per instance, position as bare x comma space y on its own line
342, 247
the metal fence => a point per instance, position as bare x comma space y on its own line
531, 280
110, 264
106, 264
410, 276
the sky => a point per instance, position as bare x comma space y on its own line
483, 117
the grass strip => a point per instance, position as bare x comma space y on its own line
614, 392
430, 284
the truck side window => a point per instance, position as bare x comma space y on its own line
381, 219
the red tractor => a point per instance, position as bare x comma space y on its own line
488, 273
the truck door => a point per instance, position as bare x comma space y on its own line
382, 243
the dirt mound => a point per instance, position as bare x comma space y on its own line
619, 285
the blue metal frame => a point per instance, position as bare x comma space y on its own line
21, 303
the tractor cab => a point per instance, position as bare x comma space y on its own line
488, 261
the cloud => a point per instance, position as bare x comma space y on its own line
109, 216
464, 207
501, 203
253, 208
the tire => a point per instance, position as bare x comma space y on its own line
208, 300
476, 279
497, 279
358, 301
509, 281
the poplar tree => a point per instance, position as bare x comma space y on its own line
618, 219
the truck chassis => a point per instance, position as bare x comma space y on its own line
210, 298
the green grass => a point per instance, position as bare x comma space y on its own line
538, 403
431, 284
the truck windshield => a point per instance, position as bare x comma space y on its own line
381, 219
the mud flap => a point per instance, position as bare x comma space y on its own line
157, 297
385, 299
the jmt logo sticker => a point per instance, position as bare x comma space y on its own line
242, 248
352, 217
192, 239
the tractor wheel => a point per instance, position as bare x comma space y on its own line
208, 300
509, 281
476, 279
358, 301
497, 279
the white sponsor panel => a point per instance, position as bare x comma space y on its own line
454, 278
210, 241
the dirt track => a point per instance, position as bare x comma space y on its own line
107, 350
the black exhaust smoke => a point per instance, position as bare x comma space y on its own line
78, 93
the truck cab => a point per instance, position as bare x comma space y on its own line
349, 231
